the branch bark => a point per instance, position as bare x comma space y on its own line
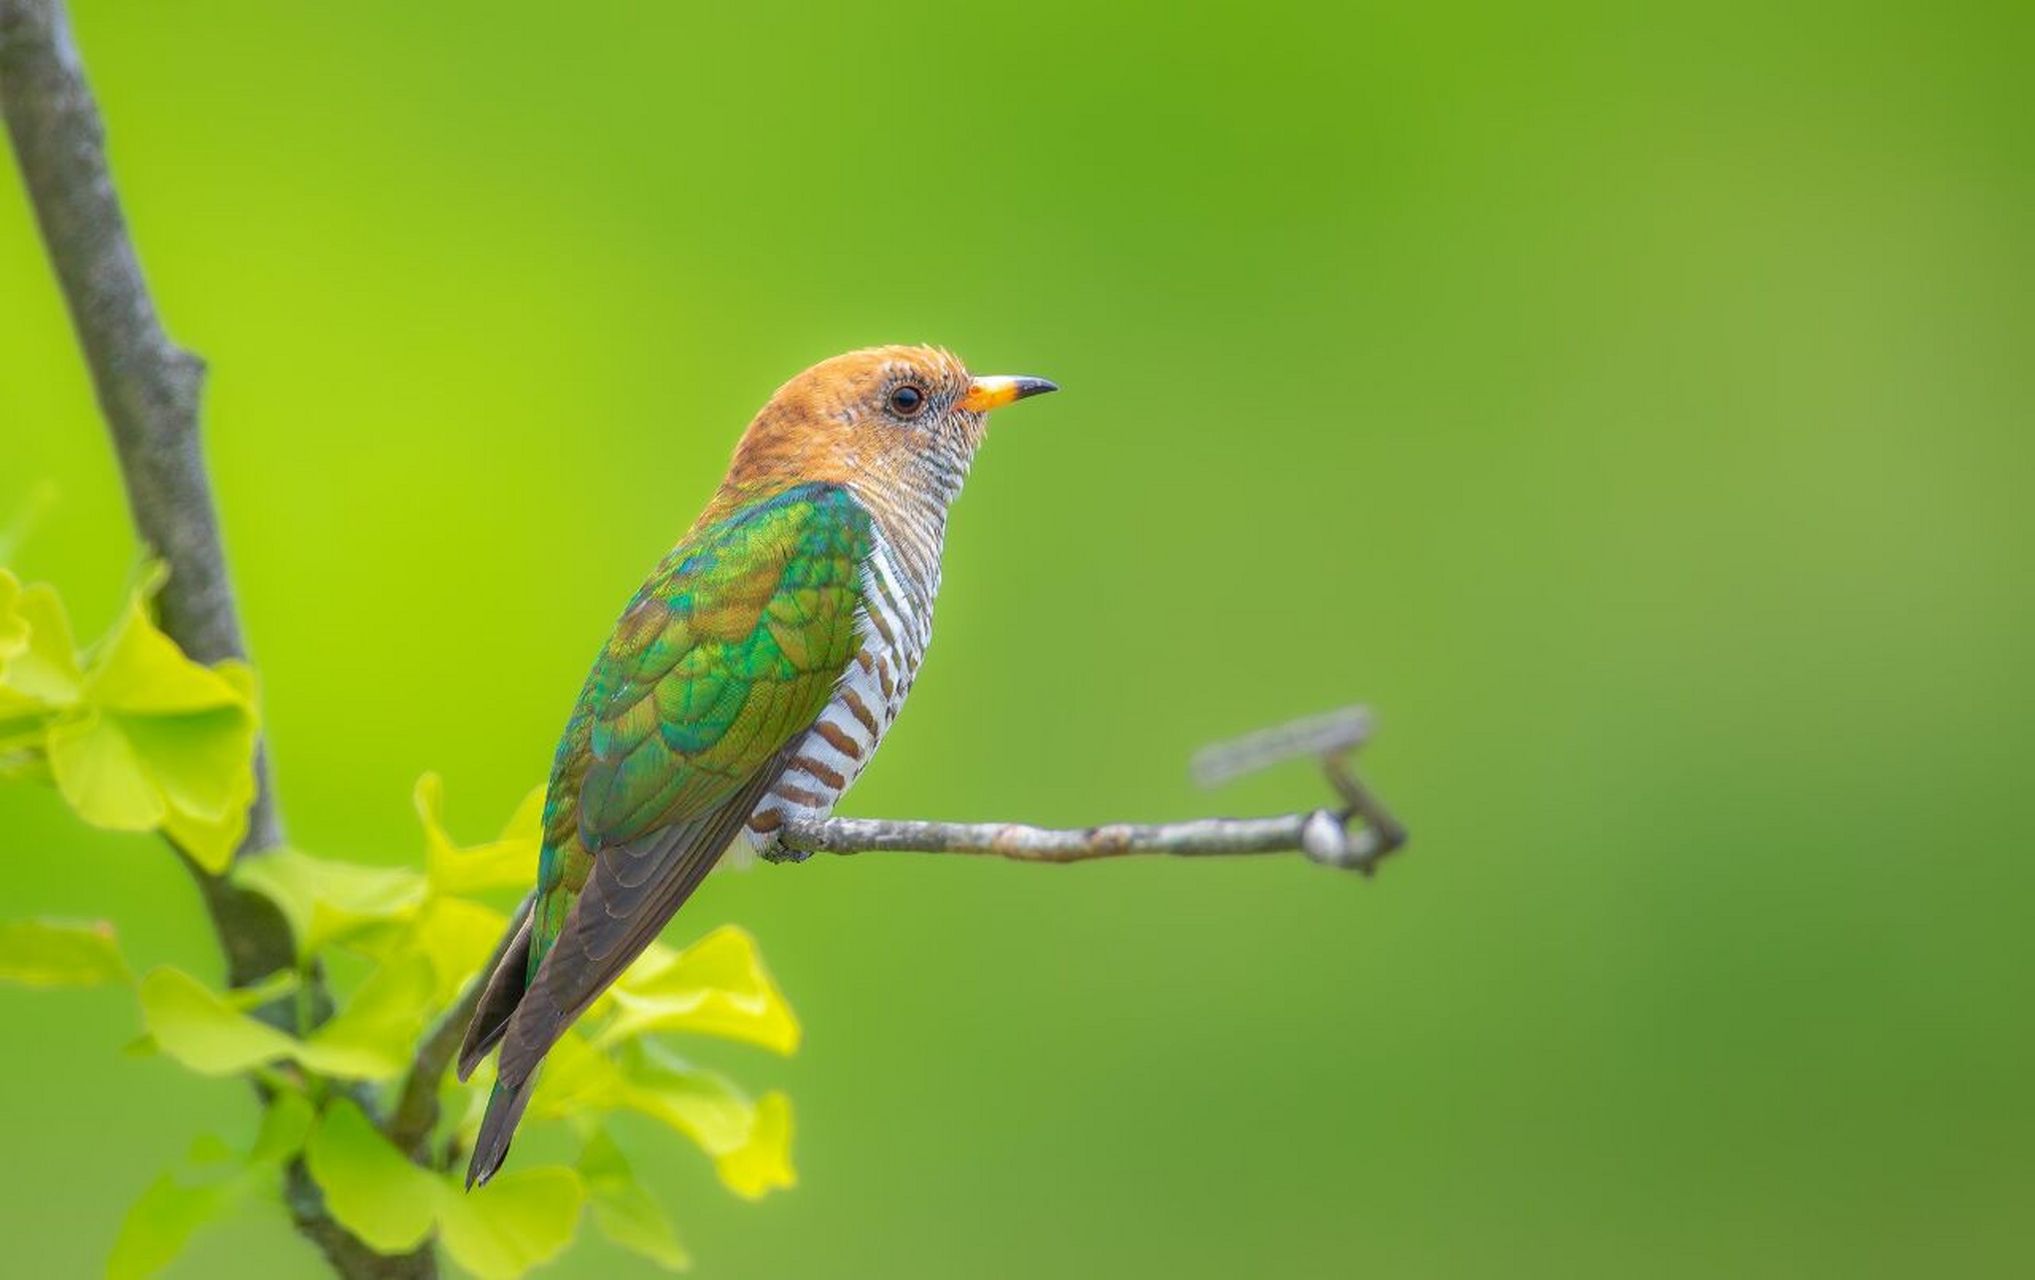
149, 391
1326, 836
1353, 836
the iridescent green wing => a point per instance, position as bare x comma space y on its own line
726, 656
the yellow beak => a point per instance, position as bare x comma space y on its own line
985, 394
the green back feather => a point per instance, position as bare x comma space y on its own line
733, 645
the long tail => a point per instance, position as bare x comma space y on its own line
498, 1001
497, 1127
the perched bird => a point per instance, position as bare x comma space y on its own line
747, 683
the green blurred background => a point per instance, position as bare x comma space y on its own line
1631, 402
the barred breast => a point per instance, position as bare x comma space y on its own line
895, 625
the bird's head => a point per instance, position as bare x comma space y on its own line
898, 425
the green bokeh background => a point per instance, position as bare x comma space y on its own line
1631, 402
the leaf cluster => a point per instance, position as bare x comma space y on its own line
137, 737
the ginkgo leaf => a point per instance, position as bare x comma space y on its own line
198, 1028
497, 1232
157, 740
326, 900
624, 1209
369, 1187
140, 670
45, 669
507, 862
161, 1223
101, 776
174, 1208
702, 1105
285, 1127
283, 982
718, 986
454, 934
13, 628
517, 1221
212, 840
577, 1079
374, 1036
750, 1142
46, 953
763, 1163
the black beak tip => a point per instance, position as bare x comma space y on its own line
1035, 387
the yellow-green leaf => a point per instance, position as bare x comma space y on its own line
624, 1208
47, 953
508, 861
577, 1080
174, 1208
750, 1142
374, 1036
285, 1127
100, 775
763, 1163
201, 1030
162, 1222
38, 674
210, 841
699, 1104
200, 759
13, 627
47, 669
283, 982
213, 839
454, 934
142, 671
516, 1222
718, 987
373, 1191
325, 900
157, 740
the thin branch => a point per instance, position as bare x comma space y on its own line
1354, 836
416, 1113
1323, 835
149, 390
148, 386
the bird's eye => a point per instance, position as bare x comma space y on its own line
907, 400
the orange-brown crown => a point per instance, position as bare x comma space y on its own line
898, 425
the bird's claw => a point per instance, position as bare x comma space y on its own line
778, 851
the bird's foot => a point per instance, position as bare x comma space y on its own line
778, 851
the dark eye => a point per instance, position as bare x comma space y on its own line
907, 400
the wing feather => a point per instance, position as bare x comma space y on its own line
634, 890
718, 666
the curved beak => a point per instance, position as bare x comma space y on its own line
985, 394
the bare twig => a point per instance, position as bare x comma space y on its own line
1326, 836
1326, 736
1201, 838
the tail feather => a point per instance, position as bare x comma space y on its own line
498, 1000
497, 1127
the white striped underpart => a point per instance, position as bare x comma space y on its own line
895, 623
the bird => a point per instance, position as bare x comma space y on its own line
745, 686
